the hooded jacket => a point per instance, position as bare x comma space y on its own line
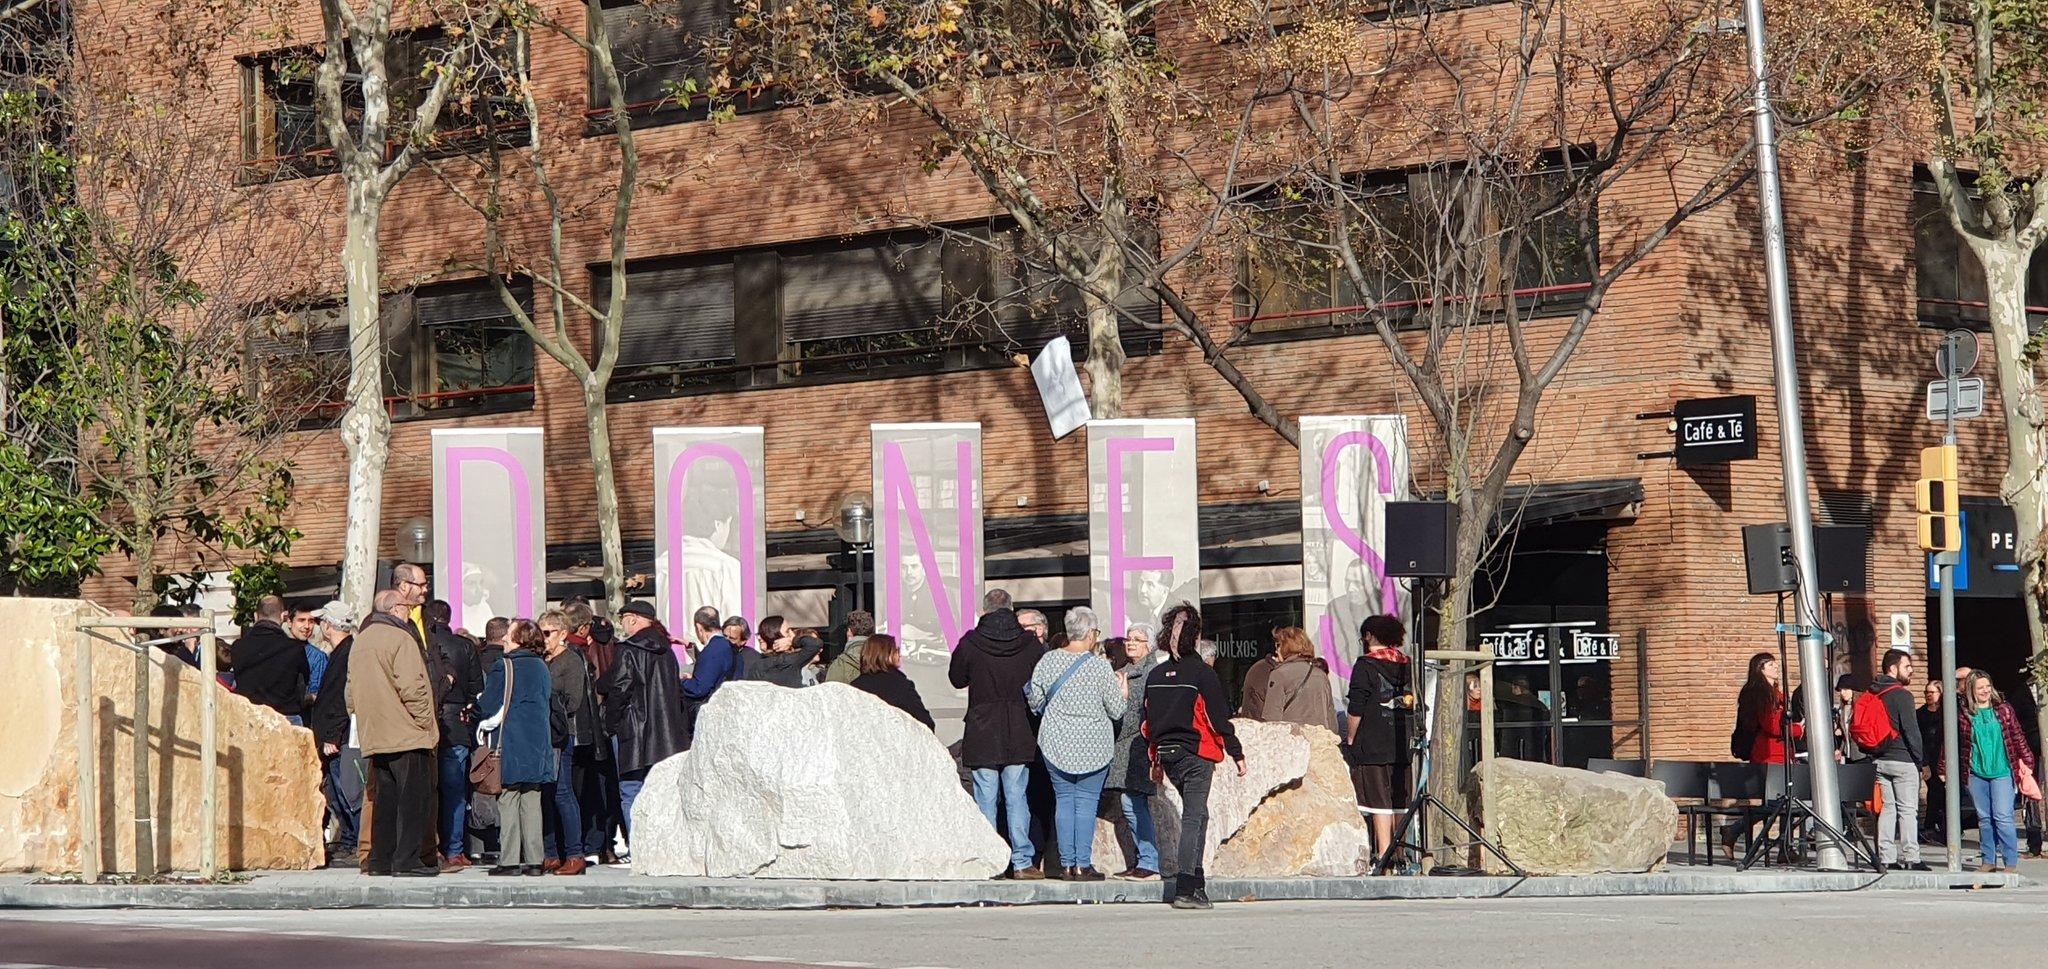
270, 668
328, 717
1904, 746
643, 703
1379, 681
992, 663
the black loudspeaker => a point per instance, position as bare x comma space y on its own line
1767, 556
1841, 557
1421, 537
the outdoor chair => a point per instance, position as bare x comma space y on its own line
1686, 780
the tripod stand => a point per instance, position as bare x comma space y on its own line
1412, 820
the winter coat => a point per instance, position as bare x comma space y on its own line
845, 667
1187, 708
569, 675
388, 690
526, 752
781, 669
643, 702
328, 717
1294, 691
2017, 753
896, 690
992, 663
271, 669
1769, 747
459, 661
1131, 770
1378, 682
1078, 731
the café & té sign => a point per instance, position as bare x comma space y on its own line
1714, 430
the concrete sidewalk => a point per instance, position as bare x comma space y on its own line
615, 887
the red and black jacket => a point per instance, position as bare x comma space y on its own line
1185, 707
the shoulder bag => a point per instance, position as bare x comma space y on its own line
486, 765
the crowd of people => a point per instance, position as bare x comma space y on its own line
1876, 720
525, 748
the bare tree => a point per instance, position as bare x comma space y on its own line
376, 140
1463, 181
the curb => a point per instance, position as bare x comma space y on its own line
765, 894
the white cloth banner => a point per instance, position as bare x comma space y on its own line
1350, 468
928, 552
490, 524
710, 524
1144, 544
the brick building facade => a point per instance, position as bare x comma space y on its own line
1613, 541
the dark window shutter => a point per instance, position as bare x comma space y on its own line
676, 315
884, 288
653, 45
474, 302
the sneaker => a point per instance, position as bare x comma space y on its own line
348, 859
1895, 866
1199, 901
1031, 874
1087, 874
1137, 875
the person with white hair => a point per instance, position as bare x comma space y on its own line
1081, 700
1146, 638
334, 734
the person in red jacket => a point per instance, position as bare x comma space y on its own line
1760, 716
1187, 729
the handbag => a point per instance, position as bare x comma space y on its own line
486, 764
2029, 787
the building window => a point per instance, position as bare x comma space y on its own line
883, 305
658, 49
299, 358
468, 352
1292, 284
1948, 281
281, 130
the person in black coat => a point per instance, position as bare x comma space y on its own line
328, 718
998, 740
881, 674
643, 703
463, 675
782, 656
270, 666
1376, 725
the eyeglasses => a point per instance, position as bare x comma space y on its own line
554, 632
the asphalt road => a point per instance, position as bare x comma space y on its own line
1848, 929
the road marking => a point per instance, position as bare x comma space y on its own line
847, 965
694, 953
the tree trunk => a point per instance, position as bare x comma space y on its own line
144, 552
598, 426
2005, 277
1105, 364
1447, 742
366, 430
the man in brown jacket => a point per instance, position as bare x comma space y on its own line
393, 702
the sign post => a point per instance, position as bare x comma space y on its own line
1954, 361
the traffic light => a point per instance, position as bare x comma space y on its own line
1940, 506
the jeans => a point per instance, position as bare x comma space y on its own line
565, 837
629, 788
1898, 826
454, 797
1076, 798
345, 798
401, 817
1138, 814
1191, 776
1007, 785
1997, 839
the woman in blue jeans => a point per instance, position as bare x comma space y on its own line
1130, 771
1082, 701
1997, 763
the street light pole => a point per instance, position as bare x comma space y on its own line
1820, 742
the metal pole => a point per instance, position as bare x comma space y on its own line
1820, 742
145, 827
1945, 562
88, 764
209, 752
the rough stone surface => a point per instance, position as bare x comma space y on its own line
1562, 821
1294, 813
267, 783
823, 782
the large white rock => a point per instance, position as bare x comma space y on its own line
820, 782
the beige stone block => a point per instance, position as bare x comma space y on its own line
266, 783
1562, 821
